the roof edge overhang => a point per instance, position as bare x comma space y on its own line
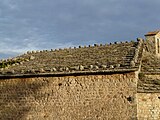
147, 91
150, 34
75, 73
151, 73
153, 33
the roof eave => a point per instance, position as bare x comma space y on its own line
152, 33
75, 73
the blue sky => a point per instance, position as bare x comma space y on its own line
48, 24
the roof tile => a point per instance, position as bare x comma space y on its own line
92, 58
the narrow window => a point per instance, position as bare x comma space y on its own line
158, 45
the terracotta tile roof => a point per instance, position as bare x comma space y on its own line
148, 85
109, 57
152, 33
150, 63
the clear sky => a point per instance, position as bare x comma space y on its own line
48, 24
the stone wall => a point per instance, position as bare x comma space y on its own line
88, 97
148, 97
150, 44
148, 106
153, 44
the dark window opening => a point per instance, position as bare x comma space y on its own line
60, 84
130, 99
158, 45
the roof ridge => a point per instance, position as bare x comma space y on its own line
79, 47
137, 52
152, 33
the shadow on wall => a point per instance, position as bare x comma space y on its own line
17, 96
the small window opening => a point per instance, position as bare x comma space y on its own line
60, 84
158, 45
130, 99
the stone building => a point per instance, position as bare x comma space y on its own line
119, 81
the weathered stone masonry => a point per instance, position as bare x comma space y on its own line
90, 97
148, 97
149, 106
